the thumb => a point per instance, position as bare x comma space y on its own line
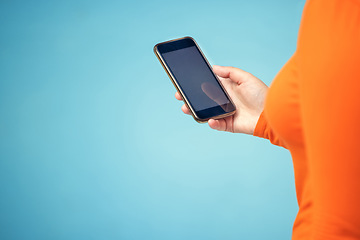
235, 74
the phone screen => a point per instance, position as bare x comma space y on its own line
195, 78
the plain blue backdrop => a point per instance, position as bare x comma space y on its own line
93, 144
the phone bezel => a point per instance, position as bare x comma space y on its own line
181, 43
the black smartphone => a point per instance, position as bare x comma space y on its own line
194, 79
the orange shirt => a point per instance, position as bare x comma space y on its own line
313, 109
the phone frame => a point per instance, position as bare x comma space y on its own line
175, 83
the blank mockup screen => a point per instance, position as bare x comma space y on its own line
195, 78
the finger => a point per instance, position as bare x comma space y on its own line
178, 96
213, 92
185, 109
237, 75
219, 125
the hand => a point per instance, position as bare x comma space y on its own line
248, 94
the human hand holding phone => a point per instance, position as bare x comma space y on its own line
248, 94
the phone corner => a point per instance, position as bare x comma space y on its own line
199, 120
191, 38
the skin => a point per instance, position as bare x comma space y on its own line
248, 94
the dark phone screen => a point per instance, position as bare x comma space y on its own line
196, 79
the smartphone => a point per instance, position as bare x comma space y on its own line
194, 79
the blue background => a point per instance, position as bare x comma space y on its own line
93, 144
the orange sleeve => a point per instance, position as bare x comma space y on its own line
264, 127
328, 59
264, 130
